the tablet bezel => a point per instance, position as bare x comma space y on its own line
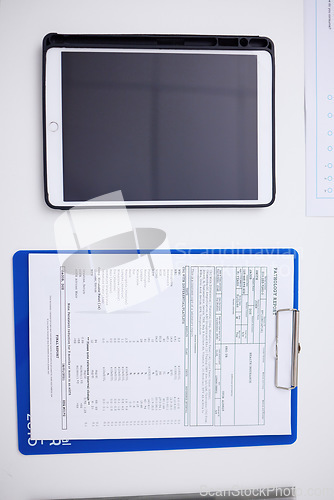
53, 139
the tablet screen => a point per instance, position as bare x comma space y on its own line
159, 126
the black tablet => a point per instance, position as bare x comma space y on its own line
166, 120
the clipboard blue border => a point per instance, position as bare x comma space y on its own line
27, 446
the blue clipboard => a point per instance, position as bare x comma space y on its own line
27, 446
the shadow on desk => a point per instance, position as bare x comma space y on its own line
279, 493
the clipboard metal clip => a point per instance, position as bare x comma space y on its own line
295, 349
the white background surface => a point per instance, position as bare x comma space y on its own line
27, 223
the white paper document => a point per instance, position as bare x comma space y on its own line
158, 345
319, 106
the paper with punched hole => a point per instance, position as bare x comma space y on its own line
319, 106
164, 345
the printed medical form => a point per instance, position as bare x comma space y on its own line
163, 345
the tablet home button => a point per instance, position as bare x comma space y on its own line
53, 126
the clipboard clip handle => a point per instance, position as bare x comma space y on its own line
295, 349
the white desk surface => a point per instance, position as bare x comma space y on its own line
27, 223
